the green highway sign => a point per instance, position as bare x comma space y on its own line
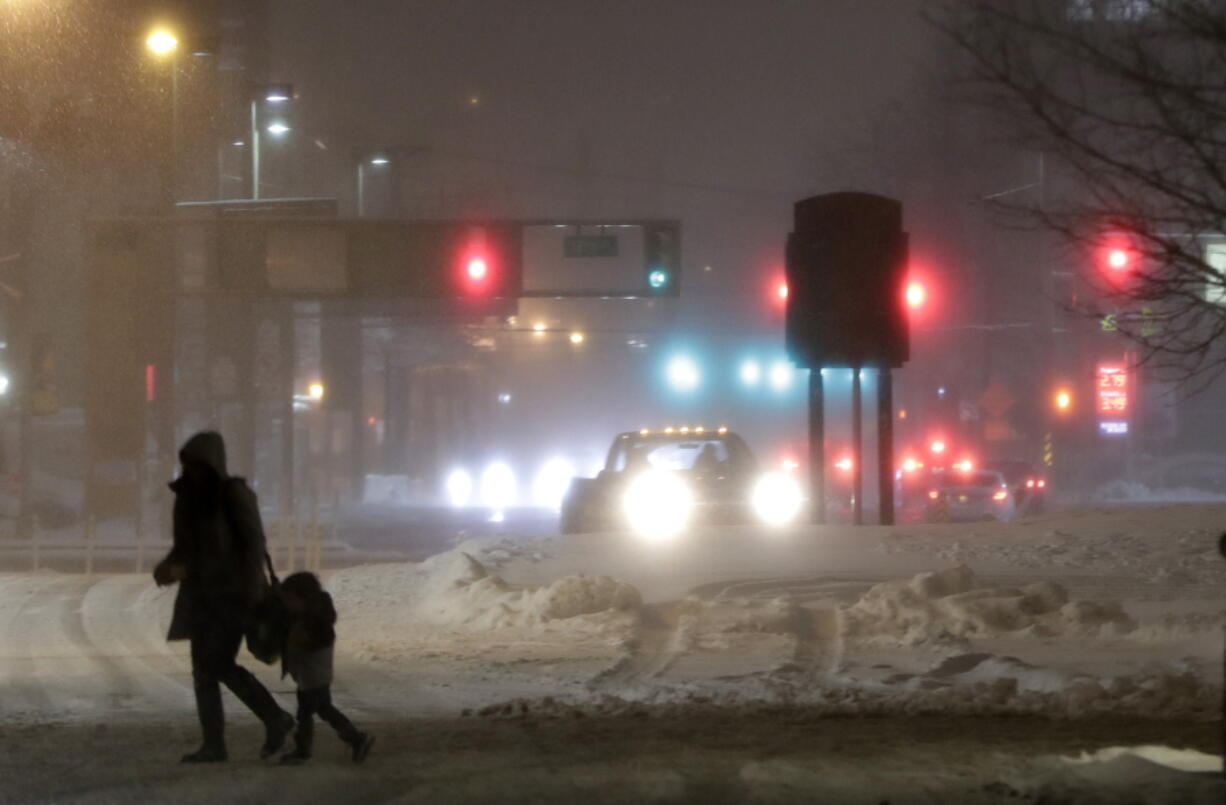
590, 246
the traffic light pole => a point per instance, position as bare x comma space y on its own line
885, 444
817, 447
857, 450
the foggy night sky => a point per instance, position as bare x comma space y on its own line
722, 92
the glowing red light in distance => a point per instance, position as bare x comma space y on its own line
965, 465
1117, 258
477, 269
938, 446
933, 494
844, 464
782, 290
915, 295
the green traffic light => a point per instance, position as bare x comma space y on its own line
658, 278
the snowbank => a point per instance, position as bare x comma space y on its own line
1133, 492
953, 603
452, 604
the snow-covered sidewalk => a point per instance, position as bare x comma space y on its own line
1102, 626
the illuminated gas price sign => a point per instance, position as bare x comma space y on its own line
1113, 401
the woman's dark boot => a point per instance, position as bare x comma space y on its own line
212, 725
278, 724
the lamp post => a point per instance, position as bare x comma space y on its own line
274, 94
390, 158
164, 44
377, 160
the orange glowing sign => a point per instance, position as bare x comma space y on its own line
1112, 390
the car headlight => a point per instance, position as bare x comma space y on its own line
658, 504
498, 486
776, 498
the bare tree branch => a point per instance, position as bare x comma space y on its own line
1128, 100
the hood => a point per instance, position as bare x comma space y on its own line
206, 448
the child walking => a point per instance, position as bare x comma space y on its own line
308, 659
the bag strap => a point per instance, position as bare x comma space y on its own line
272, 574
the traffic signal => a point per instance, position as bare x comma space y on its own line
846, 263
662, 259
468, 261
484, 261
1118, 260
916, 295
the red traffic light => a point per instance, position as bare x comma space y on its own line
915, 295
477, 269
1117, 259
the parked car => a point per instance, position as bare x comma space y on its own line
1029, 487
967, 496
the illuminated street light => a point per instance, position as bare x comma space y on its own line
683, 374
162, 42
1064, 400
316, 391
271, 94
576, 337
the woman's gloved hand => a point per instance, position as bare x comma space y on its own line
168, 573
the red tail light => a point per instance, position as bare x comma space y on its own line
1030, 484
1042, 484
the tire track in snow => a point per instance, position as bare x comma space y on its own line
30, 654
667, 631
19, 594
115, 625
660, 641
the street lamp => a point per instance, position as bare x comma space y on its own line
162, 42
389, 157
272, 94
165, 44
377, 160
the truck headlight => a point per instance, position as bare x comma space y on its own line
776, 498
658, 504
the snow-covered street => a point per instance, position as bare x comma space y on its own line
844, 664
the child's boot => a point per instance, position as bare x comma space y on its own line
303, 737
361, 745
